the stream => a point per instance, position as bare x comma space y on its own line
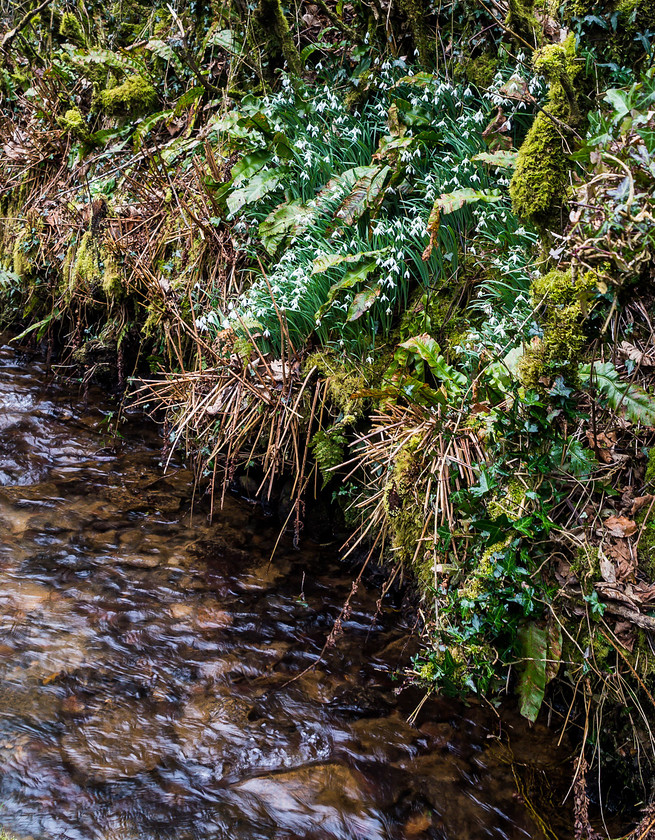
155, 677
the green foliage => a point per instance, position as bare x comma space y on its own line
133, 98
539, 183
540, 649
639, 406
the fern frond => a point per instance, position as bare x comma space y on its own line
639, 406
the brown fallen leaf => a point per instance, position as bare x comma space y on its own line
637, 355
641, 502
620, 526
625, 634
602, 445
644, 592
607, 570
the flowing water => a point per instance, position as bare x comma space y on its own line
146, 664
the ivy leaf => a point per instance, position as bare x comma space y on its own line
638, 405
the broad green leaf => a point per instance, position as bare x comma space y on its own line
419, 79
362, 302
363, 194
540, 649
326, 261
249, 165
427, 349
146, 125
188, 99
256, 187
503, 157
639, 406
619, 100
349, 279
449, 202
166, 52
533, 649
286, 220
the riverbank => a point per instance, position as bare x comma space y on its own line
415, 289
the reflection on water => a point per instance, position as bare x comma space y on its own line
145, 665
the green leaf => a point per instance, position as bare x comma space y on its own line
256, 187
363, 194
326, 261
167, 53
286, 220
449, 202
427, 349
362, 302
540, 649
619, 100
349, 279
638, 405
533, 649
503, 157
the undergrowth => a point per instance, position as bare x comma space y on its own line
420, 287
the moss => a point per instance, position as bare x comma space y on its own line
343, 380
559, 351
585, 565
90, 265
522, 21
539, 184
272, 22
112, 276
646, 547
71, 29
22, 258
478, 582
73, 121
329, 448
510, 501
135, 97
403, 502
479, 71
416, 13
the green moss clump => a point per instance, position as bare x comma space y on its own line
522, 21
416, 13
479, 71
510, 501
403, 501
135, 97
559, 351
650, 468
73, 121
21, 262
90, 265
343, 380
540, 180
71, 29
329, 448
272, 22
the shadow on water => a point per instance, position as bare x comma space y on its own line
145, 661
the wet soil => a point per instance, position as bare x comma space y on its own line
154, 668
